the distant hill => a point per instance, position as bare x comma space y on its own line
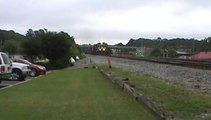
176, 44
11, 41
119, 44
9, 35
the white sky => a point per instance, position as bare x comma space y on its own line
110, 21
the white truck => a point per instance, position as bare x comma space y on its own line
12, 70
20, 71
5, 66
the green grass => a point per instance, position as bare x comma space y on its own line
81, 94
177, 100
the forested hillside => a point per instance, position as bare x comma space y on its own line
9, 35
191, 45
11, 41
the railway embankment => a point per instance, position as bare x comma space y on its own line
192, 78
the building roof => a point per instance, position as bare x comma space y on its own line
182, 53
201, 55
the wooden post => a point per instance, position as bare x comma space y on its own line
109, 62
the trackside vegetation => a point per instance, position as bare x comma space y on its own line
176, 101
79, 94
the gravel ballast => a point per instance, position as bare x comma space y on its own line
191, 78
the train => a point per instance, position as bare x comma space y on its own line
96, 49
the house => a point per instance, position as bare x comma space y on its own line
182, 54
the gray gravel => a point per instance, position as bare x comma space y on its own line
192, 78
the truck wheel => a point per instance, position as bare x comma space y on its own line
18, 75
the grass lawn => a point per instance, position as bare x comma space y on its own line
80, 94
177, 100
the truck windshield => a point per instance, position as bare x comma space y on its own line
5, 59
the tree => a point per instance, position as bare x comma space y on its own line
172, 53
55, 46
8, 36
74, 50
32, 46
206, 44
11, 46
52, 45
156, 53
159, 38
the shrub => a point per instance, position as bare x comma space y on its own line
156, 53
59, 64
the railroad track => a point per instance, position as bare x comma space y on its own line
202, 64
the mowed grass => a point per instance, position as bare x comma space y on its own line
176, 100
80, 94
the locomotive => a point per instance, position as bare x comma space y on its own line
96, 49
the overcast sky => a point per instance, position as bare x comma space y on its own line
110, 21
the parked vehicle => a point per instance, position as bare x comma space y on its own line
5, 65
77, 58
20, 71
72, 60
35, 69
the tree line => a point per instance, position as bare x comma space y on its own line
189, 45
172, 45
58, 47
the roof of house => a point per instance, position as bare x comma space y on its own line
182, 53
201, 55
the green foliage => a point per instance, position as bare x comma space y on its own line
172, 53
59, 64
205, 45
74, 50
8, 38
32, 46
55, 46
11, 35
156, 53
11, 46
190, 45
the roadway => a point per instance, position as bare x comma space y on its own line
9, 83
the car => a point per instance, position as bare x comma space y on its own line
5, 66
36, 70
72, 60
20, 71
77, 58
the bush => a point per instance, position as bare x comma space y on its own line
172, 53
156, 53
59, 64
